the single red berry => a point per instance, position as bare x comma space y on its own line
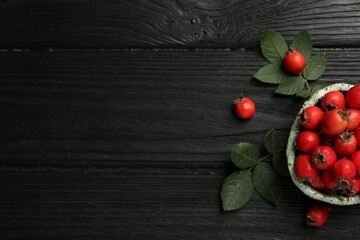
317, 182
354, 119
334, 122
333, 100
317, 215
323, 157
355, 157
306, 141
344, 170
345, 144
353, 97
329, 179
357, 136
303, 168
354, 187
311, 117
294, 62
244, 108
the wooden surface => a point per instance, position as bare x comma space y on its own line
114, 127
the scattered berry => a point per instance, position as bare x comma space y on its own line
244, 108
294, 62
317, 215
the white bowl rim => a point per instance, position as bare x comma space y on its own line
290, 152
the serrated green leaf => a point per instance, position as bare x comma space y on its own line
303, 43
245, 155
304, 93
271, 141
291, 86
267, 182
320, 86
271, 73
237, 190
279, 163
273, 46
315, 67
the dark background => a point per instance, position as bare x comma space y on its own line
116, 118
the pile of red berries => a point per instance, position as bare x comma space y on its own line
328, 144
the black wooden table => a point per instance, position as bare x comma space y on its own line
116, 116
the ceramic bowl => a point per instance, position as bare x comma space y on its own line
290, 152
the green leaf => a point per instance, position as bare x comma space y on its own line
320, 86
279, 163
267, 182
315, 67
291, 86
271, 73
271, 141
244, 155
303, 43
237, 190
273, 46
304, 93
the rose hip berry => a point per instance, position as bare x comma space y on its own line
354, 119
294, 62
244, 108
306, 141
317, 182
355, 157
311, 118
354, 187
323, 157
329, 179
333, 100
317, 215
345, 144
357, 136
344, 170
353, 97
303, 168
334, 122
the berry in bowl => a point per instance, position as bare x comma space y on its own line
323, 150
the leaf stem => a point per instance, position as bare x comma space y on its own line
263, 158
307, 85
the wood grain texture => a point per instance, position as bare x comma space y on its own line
135, 145
183, 23
97, 205
139, 108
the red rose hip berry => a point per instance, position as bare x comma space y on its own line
244, 108
345, 144
357, 136
353, 97
317, 182
311, 118
333, 100
323, 157
303, 168
344, 170
306, 141
294, 62
354, 187
317, 215
354, 119
355, 158
334, 122
329, 179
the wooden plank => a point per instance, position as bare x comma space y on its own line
114, 109
185, 23
176, 205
